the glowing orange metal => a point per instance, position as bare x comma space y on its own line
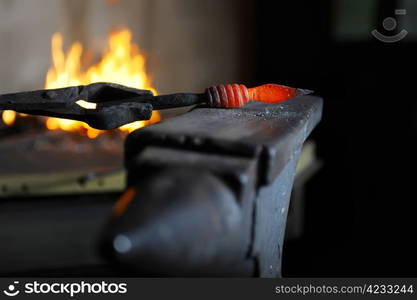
237, 95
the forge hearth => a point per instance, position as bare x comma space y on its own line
40, 163
207, 194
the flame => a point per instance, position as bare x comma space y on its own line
8, 117
121, 63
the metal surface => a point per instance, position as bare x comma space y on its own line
213, 190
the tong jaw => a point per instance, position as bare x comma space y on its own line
116, 104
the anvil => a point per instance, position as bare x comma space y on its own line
208, 192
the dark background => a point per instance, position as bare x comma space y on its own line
360, 206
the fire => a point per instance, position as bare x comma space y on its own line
8, 117
121, 63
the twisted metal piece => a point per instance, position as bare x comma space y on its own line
237, 95
227, 95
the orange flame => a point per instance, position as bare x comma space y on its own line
121, 63
8, 117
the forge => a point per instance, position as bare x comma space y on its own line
106, 170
